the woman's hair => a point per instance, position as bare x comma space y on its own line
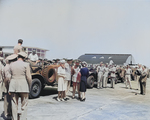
83, 64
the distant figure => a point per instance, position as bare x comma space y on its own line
61, 77
100, 71
113, 76
128, 72
142, 80
1, 79
33, 57
83, 83
75, 70
105, 79
18, 48
68, 75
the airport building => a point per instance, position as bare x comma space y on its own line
7, 50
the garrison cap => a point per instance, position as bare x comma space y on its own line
23, 54
20, 41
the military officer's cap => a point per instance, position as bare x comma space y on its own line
23, 54
62, 61
12, 57
77, 61
69, 59
20, 41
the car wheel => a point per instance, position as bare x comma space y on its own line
90, 82
35, 88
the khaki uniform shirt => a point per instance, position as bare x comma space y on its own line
113, 71
20, 77
17, 49
68, 71
144, 73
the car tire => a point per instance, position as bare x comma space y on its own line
90, 82
35, 88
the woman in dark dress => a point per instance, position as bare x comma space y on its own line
83, 84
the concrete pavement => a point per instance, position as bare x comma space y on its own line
101, 104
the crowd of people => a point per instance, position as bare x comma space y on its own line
15, 83
15, 79
78, 74
126, 73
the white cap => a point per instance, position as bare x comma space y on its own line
62, 61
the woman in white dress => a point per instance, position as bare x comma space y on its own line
75, 70
61, 77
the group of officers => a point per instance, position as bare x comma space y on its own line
125, 73
15, 82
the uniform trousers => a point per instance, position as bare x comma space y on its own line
68, 82
24, 104
1, 90
143, 87
128, 80
138, 82
7, 104
100, 79
112, 82
105, 80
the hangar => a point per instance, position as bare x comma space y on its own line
118, 59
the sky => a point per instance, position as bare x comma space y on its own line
70, 28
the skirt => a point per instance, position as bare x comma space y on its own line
61, 84
83, 85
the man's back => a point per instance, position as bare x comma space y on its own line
17, 49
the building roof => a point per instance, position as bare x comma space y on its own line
119, 59
24, 47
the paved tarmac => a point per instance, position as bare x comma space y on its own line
101, 104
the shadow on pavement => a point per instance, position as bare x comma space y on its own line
48, 91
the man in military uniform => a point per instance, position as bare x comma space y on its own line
139, 70
128, 72
18, 48
113, 76
100, 71
7, 77
68, 74
142, 80
1, 79
19, 85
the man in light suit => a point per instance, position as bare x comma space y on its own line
19, 85
18, 48
7, 77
